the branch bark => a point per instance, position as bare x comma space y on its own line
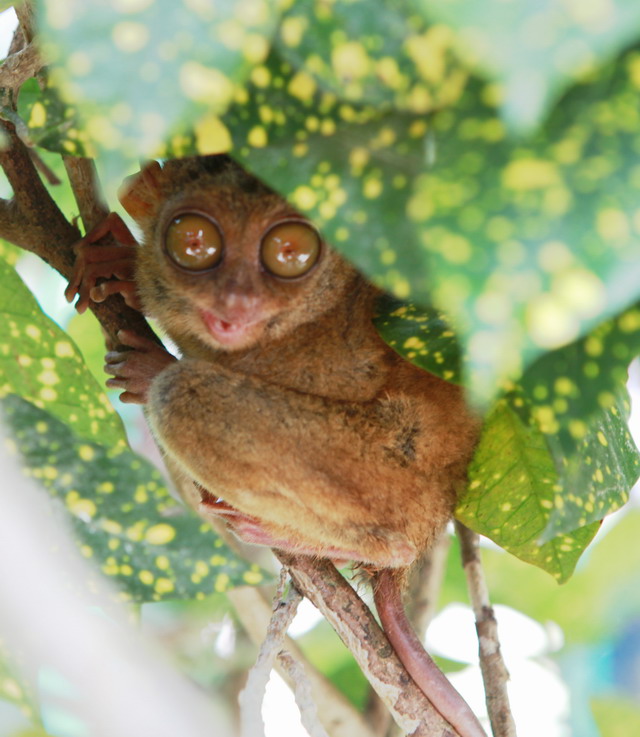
356, 626
494, 671
252, 695
19, 67
339, 716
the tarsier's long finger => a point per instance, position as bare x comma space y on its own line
98, 262
140, 343
131, 398
114, 225
114, 362
126, 288
131, 384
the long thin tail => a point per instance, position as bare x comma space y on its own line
429, 678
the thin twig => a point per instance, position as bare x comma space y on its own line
302, 692
252, 695
425, 584
48, 173
494, 671
26, 18
339, 717
86, 190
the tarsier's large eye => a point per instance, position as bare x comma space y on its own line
194, 242
290, 249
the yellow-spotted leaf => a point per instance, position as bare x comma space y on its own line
41, 363
513, 484
533, 243
567, 386
14, 688
541, 494
123, 517
421, 335
350, 168
51, 123
136, 68
534, 49
388, 57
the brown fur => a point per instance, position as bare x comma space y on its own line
314, 426
317, 436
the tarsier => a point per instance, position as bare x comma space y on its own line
298, 424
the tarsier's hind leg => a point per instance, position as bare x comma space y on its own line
251, 530
321, 475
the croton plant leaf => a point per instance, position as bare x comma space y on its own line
534, 49
14, 688
39, 362
123, 517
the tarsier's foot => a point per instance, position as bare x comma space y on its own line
134, 369
250, 530
95, 262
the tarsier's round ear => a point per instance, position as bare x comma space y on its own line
140, 192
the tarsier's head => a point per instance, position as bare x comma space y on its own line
226, 259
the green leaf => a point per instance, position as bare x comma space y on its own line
389, 57
349, 168
539, 499
569, 385
50, 122
14, 688
513, 484
616, 716
578, 399
421, 335
39, 362
535, 49
135, 71
123, 517
533, 243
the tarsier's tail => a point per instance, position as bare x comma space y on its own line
429, 678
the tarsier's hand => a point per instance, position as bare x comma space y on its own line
135, 369
95, 262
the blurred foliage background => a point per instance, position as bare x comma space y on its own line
478, 160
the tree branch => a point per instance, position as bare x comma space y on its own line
356, 626
86, 190
20, 66
338, 715
33, 221
494, 671
252, 695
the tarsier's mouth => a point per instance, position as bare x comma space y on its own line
225, 332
